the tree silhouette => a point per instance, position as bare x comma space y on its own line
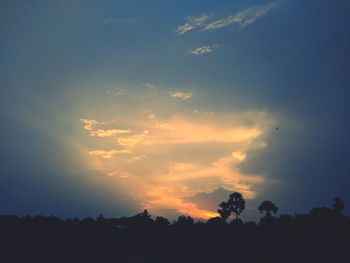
162, 221
338, 204
140, 220
268, 207
145, 214
216, 221
224, 211
235, 204
184, 220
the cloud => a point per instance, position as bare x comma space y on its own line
168, 165
108, 154
180, 95
89, 125
132, 141
171, 154
192, 23
135, 159
164, 126
183, 130
119, 174
150, 86
235, 156
151, 116
200, 51
243, 18
108, 133
116, 92
196, 111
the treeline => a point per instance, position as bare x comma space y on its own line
229, 212
321, 235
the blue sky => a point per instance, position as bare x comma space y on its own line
115, 106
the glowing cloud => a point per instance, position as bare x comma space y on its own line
108, 154
108, 133
132, 141
171, 154
151, 116
181, 95
89, 125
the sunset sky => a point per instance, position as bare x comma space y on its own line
112, 107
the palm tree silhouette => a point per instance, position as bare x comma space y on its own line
268, 207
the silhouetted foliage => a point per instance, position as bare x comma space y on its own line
285, 220
251, 226
184, 221
216, 221
162, 221
236, 224
139, 221
235, 204
321, 235
224, 210
268, 207
144, 215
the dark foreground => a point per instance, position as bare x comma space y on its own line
320, 236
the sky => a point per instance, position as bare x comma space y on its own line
112, 107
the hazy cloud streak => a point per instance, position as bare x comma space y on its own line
116, 92
89, 125
200, 51
192, 23
181, 95
243, 18
108, 154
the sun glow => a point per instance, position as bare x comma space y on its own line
162, 161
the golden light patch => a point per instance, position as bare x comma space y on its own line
239, 156
108, 133
161, 161
109, 154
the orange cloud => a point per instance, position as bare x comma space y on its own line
172, 202
132, 141
181, 95
180, 130
89, 125
165, 159
108, 133
108, 154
